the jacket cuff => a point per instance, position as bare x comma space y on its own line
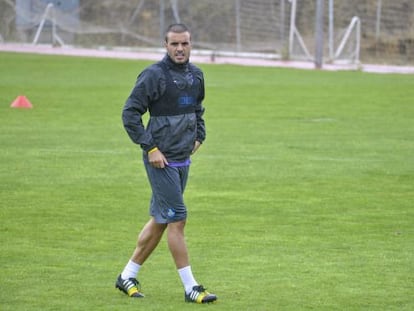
147, 148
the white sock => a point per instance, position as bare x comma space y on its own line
187, 278
131, 270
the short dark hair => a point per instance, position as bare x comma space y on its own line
177, 28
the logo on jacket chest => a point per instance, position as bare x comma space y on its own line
185, 101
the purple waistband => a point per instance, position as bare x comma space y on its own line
179, 164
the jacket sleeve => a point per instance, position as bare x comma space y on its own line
146, 89
201, 128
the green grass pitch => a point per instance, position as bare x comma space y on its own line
301, 197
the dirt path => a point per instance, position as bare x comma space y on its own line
196, 57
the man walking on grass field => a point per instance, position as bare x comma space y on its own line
172, 90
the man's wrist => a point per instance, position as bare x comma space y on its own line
152, 150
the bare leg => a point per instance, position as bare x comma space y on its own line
148, 240
177, 245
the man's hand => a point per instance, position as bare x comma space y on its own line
157, 159
196, 146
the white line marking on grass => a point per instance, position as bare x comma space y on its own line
322, 120
93, 151
342, 159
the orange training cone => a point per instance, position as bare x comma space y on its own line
21, 102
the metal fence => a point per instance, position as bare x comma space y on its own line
279, 28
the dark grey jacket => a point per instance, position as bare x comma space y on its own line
173, 95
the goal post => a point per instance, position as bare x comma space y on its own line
348, 50
355, 43
49, 15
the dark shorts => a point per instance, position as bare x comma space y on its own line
167, 184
